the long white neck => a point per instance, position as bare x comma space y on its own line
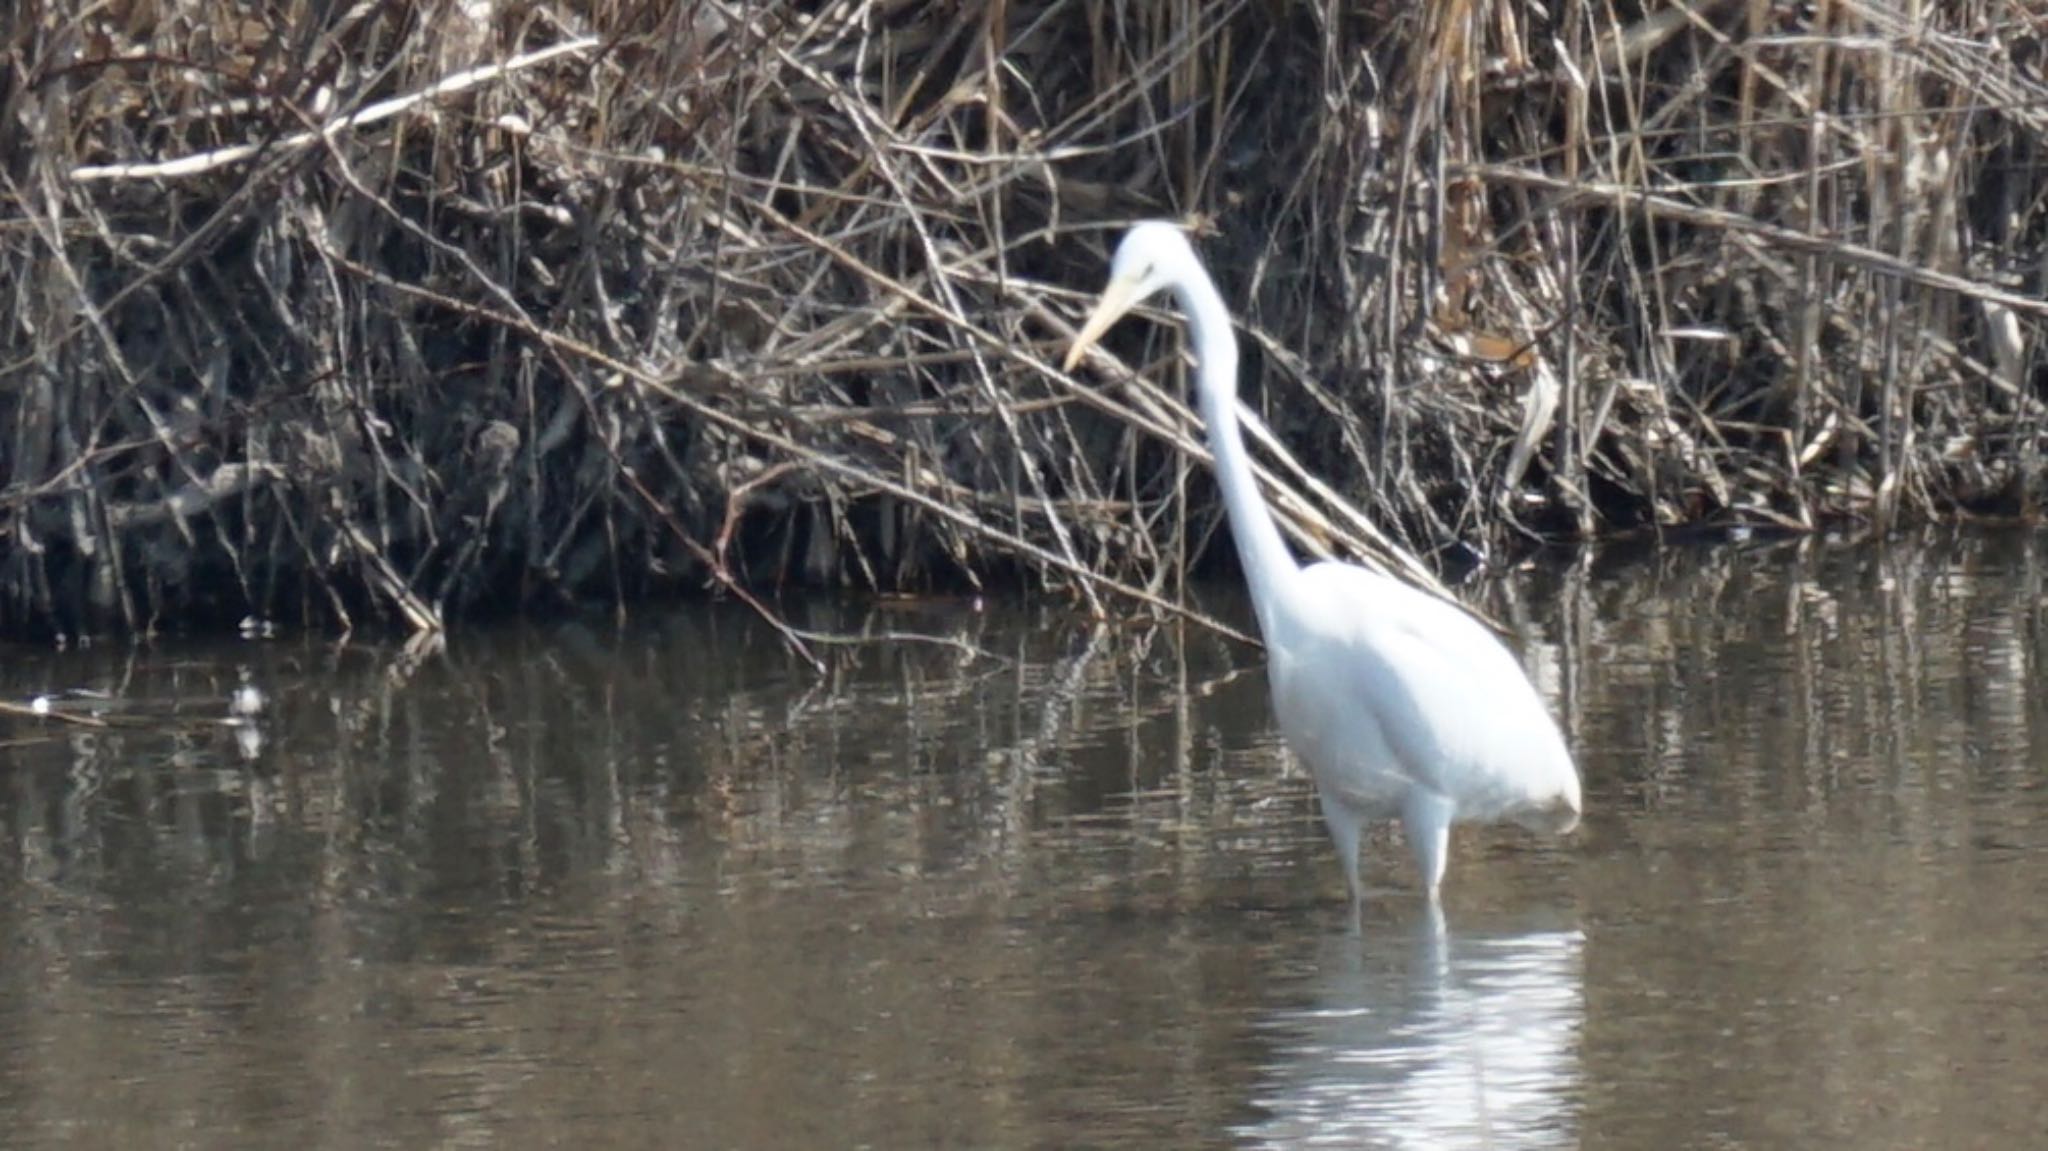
1268, 566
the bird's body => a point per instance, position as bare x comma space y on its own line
1431, 719
1400, 704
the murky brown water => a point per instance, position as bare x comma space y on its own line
670, 889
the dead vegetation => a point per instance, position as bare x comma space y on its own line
413, 309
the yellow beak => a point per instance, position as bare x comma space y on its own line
1117, 299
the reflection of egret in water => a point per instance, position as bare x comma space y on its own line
1450, 1041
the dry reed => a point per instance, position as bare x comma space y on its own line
414, 309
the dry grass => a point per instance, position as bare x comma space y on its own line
438, 307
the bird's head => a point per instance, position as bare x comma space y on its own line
1154, 255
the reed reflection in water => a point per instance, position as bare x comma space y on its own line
1040, 883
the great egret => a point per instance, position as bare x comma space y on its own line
1402, 705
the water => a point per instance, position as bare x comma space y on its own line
1040, 885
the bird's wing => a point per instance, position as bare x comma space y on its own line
1452, 701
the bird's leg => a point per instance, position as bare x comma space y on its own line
1438, 959
1345, 828
1427, 821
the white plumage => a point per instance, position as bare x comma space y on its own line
1401, 705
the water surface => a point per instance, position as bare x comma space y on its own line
1039, 884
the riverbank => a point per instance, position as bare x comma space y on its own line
437, 310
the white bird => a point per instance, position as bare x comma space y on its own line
1402, 706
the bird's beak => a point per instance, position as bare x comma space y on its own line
1120, 297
